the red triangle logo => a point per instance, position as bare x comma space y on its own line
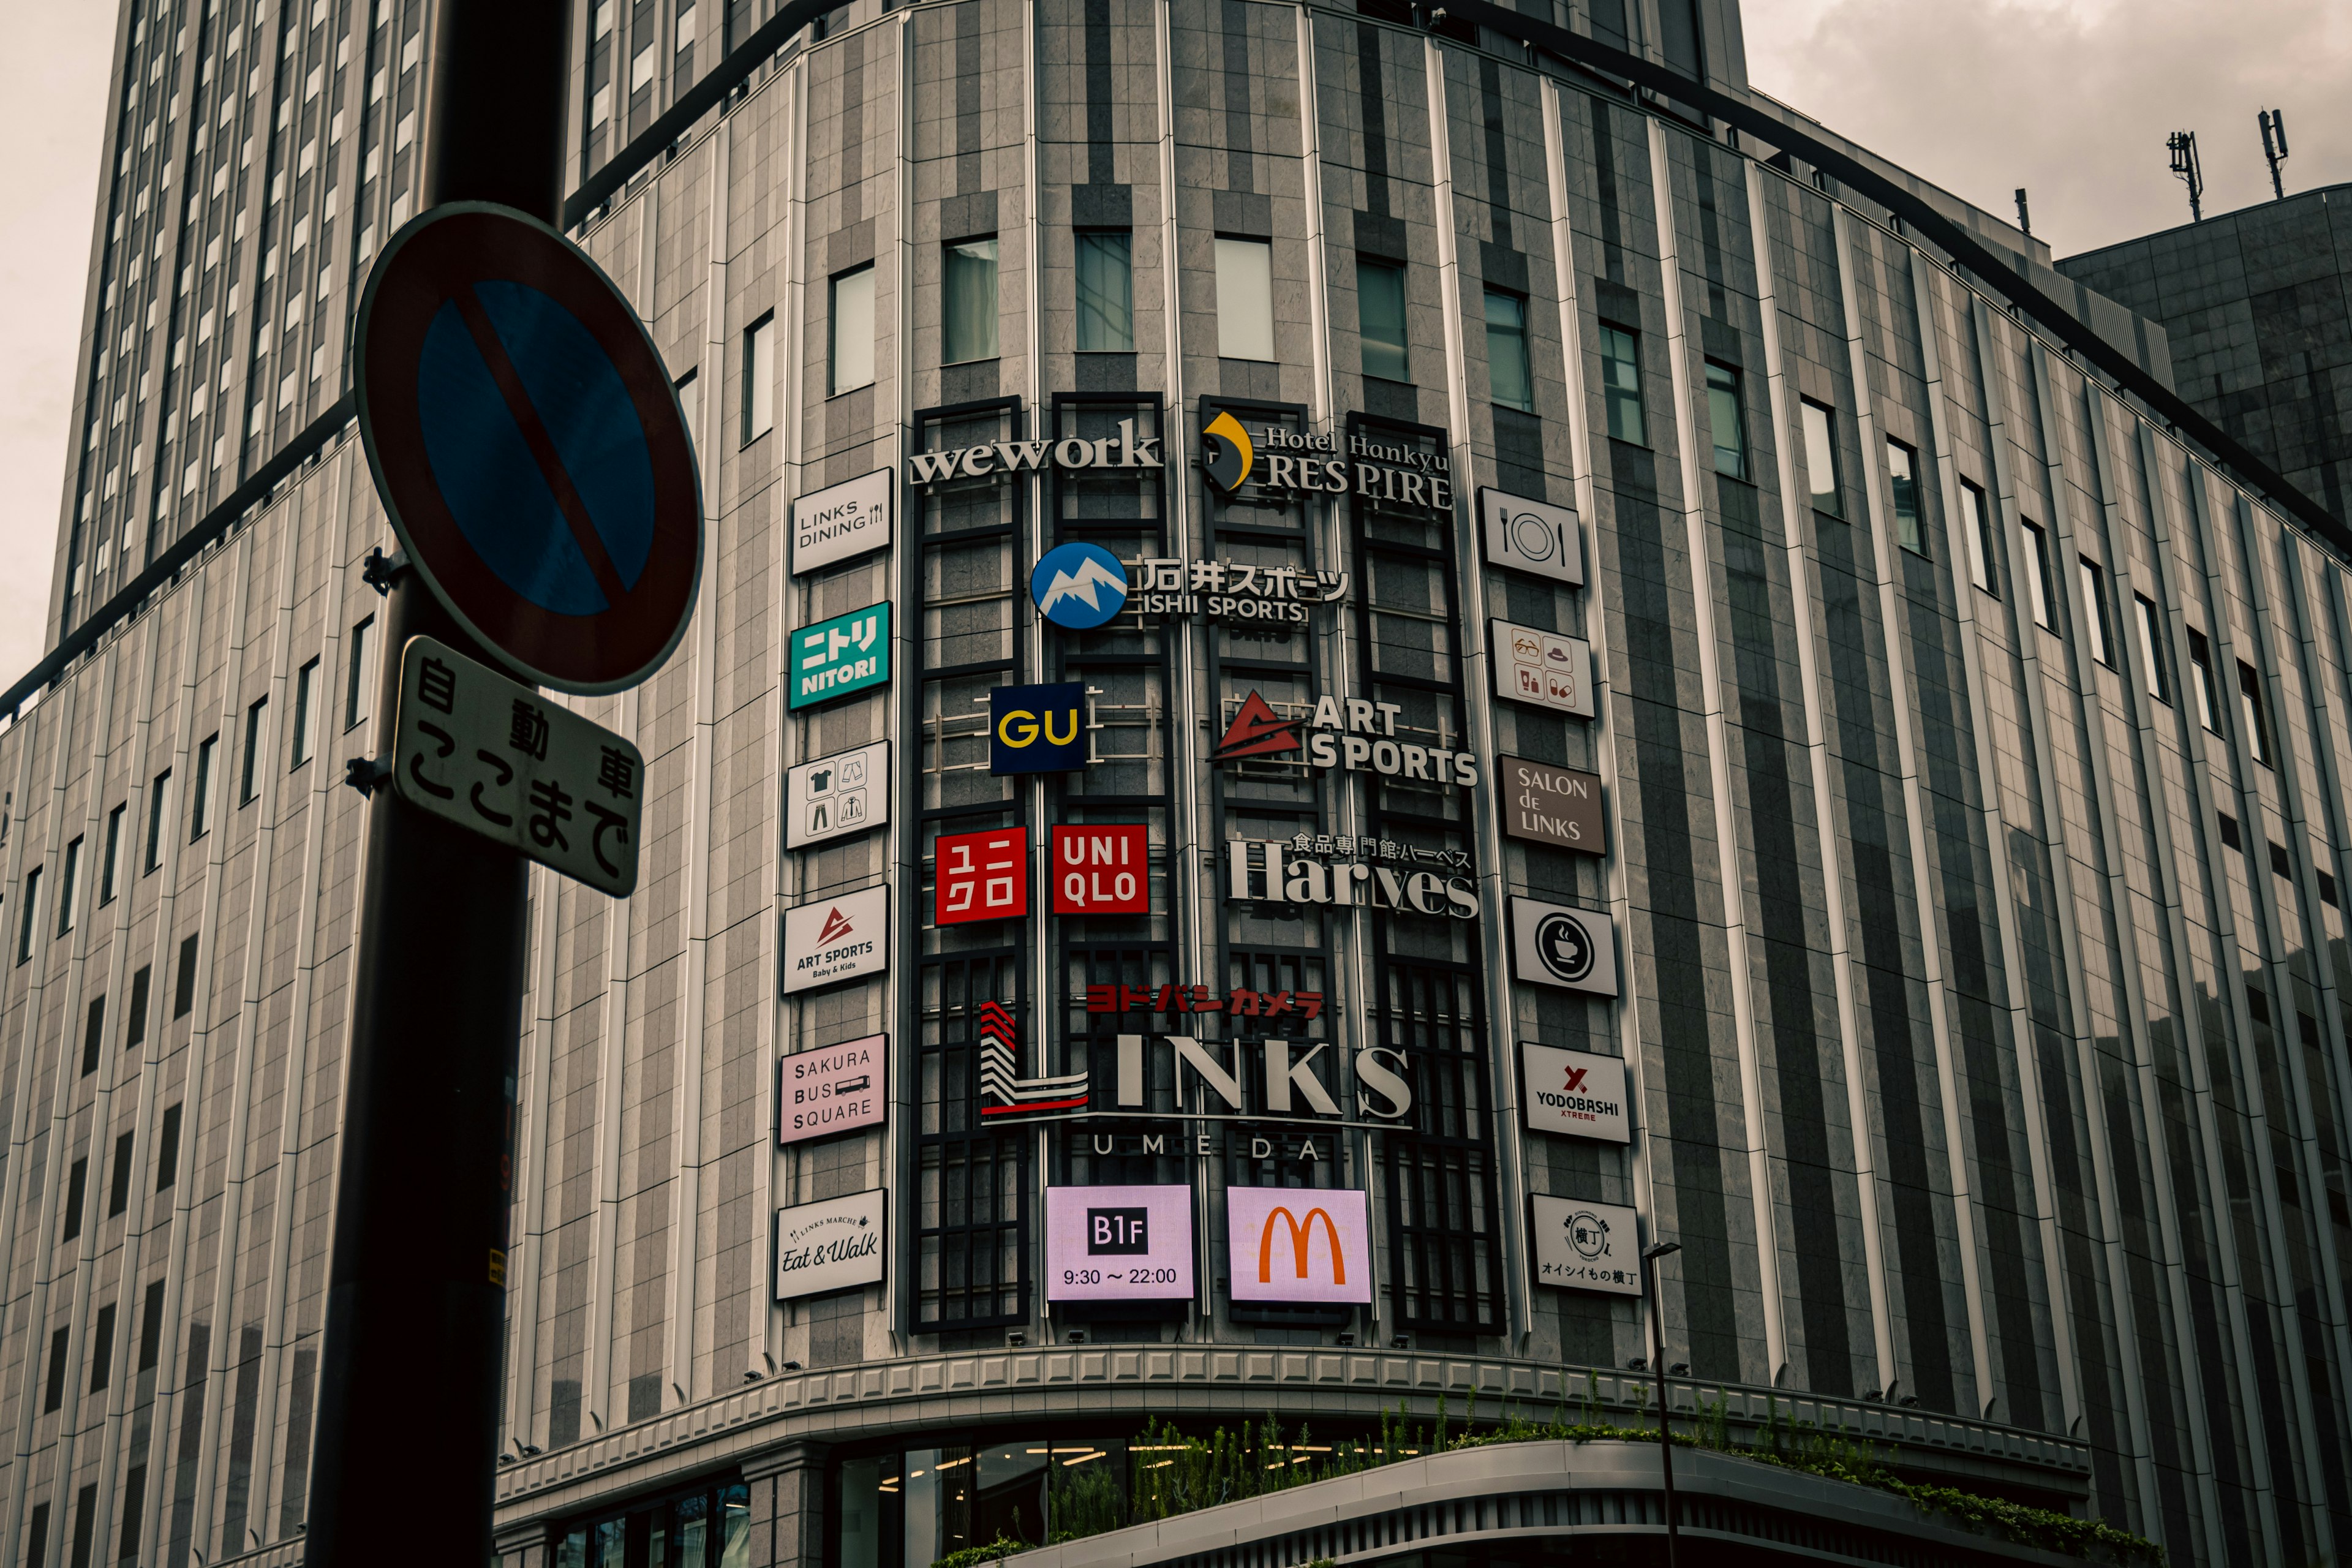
1256, 732
837, 924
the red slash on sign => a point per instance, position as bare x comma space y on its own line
837, 926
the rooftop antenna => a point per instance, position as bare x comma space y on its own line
2183, 147
2274, 121
2024, 215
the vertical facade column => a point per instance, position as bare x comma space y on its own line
1730, 878
1866, 1174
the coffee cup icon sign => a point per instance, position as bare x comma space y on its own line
1565, 947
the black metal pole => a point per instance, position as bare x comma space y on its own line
1666, 1436
407, 1441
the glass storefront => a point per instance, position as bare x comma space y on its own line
908, 1509
709, 1527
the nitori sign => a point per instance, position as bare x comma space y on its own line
845, 654
1299, 1244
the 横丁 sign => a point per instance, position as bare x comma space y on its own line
1586, 1246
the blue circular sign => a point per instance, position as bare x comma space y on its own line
1078, 586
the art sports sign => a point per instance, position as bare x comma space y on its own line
1358, 735
1299, 1244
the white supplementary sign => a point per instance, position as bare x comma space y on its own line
513, 764
842, 521
839, 938
836, 1245
1531, 535
1547, 668
838, 1088
1553, 944
1573, 1092
846, 793
1587, 1247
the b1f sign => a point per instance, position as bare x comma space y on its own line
982, 876
1531, 535
841, 520
1102, 869
1299, 1244
839, 1088
1037, 729
1118, 1244
846, 653
836, 939
1586, 1246
1573, 1092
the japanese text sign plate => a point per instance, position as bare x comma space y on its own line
528, 447
493, 755
845, 654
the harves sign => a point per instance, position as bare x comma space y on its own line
1124, 450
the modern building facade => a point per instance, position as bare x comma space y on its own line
2254, 304
1624, 691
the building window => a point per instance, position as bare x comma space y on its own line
249, 777
967, 301
31, 905
689, 388
849, 320
2250, 707
359, 678
118, 1186
759, 378
1105, 283
2151, 649
2094, 611
306, 695
1727, 421
185, 998
1510, 376
68, 884
1244, 299
59, 1342
1621, 383
77, 1192
109, 873
1379, 318
200, 807
1975, 522
167, 1150
93, 1035
158, 793
102, 1368
2201, 670
2037, 575
1903, 480
1821, 458
139, 987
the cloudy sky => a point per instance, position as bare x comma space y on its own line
2072, 99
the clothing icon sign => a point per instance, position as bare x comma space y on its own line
528, 447
848, 791
1078, 586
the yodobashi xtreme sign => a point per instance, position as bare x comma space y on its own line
1586, 1246
1118, 1244
838, 938
835, 1244
838, 1088
846, 653
1573, 1092
1299, 1244
1125, 450
841, 520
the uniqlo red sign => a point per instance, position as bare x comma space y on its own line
1102, 869
982, 876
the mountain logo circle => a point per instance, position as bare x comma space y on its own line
1565, 947
1078, 586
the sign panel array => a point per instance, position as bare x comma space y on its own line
1546, 668
834, 938
1118, 1244
493, 755
841, 520
838, 1088
836, 1245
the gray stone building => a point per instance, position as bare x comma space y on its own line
2255, 305
1481, 438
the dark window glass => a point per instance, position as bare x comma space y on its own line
2094, 611
31, 905
1106, 284
118, 1186
77, 1193
137, 1033
2250, 707
200, 805
93, 1035
2200, 669
185, 995
1621, 383
1978, 525
101, 1349
167, 1150
1903, 483
2037, 575
1727, 421
55, 1395
157, 792
110, 869
36, 1540
84, 1522
968, 300
150, 1326
1510, 374
1379, 315
358, 695
68, 884
306, 694
2151, 649
249, 780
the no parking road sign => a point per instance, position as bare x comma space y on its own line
528, 444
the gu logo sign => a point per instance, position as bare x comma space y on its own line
982, 876
1299, 1244
1037, 729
